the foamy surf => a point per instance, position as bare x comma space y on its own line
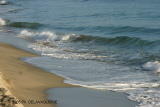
145, 93
139, 85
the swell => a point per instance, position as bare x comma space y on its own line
114, 29
121, 40
134, 29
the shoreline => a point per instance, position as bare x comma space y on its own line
25, 81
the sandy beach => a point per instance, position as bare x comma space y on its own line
23, 80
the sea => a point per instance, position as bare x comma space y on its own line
98, 44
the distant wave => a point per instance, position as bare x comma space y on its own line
114, 29
3, 2
122, 29
30, 25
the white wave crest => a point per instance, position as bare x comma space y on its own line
2, 22
152, 66
69, 37
37, 36
3, 2
46, 36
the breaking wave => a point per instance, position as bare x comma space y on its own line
119, 41
3, 22
152, 66
3, 2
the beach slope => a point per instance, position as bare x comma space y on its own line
23, 80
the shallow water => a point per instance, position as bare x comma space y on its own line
102, 44
67, 97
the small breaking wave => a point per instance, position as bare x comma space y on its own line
38, 36
119, 41
3, 2
3, 22
152, 66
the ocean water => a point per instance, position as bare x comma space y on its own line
101, 44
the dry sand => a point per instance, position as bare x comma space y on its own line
25, 81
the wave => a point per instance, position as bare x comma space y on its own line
114, 29
3, 2
119, 41
38, 36
30, 25
3, 22
152, 66
132, 29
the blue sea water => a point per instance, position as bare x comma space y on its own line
102, 44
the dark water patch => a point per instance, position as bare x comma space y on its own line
134, 29
114, 29
121, 40
14, 10
30, 25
